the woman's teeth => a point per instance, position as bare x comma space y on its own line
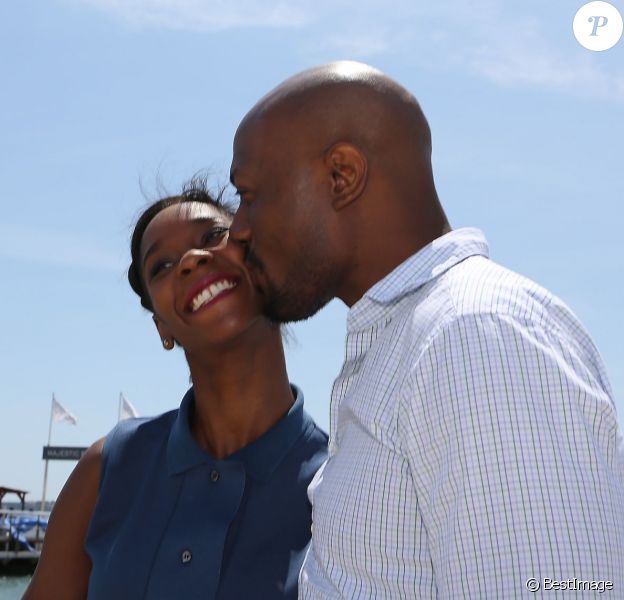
212, 291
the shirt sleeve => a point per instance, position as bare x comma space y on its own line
515, 454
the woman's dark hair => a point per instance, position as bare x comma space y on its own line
196, 190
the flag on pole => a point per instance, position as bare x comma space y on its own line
60, 413
126, 409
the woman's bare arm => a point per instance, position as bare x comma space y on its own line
64, 567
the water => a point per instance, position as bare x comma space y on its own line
12, 586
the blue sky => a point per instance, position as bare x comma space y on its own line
103, 98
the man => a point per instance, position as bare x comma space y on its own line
474, 446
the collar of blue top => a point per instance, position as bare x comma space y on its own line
428, 263
260, 458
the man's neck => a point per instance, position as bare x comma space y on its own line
379, 258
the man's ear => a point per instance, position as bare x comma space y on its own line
349, 172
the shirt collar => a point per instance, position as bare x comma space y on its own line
260, 458
423, 266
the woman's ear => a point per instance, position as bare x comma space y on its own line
349, 172
167, 340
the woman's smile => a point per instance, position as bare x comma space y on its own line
209, 290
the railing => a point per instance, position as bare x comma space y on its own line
21, 533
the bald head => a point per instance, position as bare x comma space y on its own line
333, 168
351, 102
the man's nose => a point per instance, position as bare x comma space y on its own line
193, 258
239, 229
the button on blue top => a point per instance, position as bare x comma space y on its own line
173, 522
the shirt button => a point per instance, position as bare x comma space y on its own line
186, 556
214, 475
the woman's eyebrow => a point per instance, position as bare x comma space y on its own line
201, 220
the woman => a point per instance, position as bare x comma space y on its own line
207, 501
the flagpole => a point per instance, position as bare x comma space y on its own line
45, 471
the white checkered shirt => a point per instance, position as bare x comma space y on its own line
474, 442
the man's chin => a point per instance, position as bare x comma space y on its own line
289, 310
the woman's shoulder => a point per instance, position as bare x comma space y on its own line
132, 456
311, 449
311, 446
139, 430
315, 433
131, 439
143, 426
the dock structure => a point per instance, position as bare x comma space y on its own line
21, 494
21, 530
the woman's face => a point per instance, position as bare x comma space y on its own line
200, 291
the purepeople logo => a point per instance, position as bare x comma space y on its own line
597, 26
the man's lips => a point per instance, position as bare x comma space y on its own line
209, 289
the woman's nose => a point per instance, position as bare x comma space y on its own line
192, 259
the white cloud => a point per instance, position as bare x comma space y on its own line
519, 52
204, 15
484, 37
56, 248
514, 66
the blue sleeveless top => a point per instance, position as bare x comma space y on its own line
172, 522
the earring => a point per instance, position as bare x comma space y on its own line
167, 344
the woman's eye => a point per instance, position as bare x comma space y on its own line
213, 236
158, 267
